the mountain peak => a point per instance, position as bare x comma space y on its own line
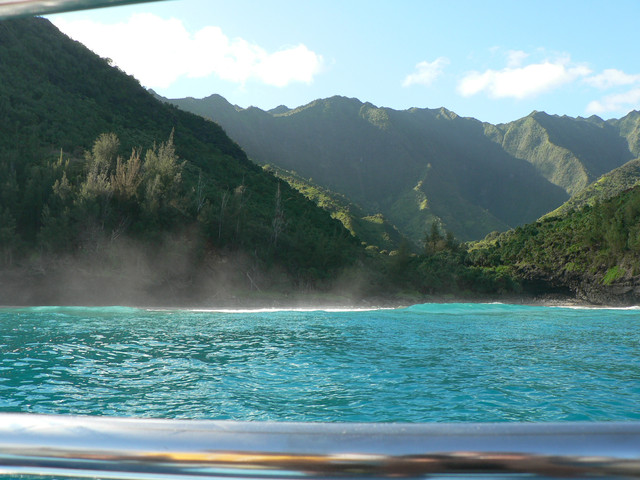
448, 114
279, 110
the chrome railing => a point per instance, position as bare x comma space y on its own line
15, 8
107, 447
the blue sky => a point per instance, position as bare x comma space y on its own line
493, 60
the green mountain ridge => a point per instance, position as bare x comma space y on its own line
109, 195
607, 186
585, 246
569, 152
413, 166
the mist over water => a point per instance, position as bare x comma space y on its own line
123, 271
427, 363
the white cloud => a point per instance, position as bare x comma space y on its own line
275, 69
426, 72
516, 57
158, 51
619, 102
522, 82
612, 78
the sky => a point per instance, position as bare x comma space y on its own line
496, 61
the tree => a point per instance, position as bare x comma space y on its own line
104, 153
278, 223
433, 241
127, 177
162, 175
8, 237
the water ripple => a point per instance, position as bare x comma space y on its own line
431, 363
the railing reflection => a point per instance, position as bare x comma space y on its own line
16, 8
143, 449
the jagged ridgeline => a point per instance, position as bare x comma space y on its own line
412, 166
569, 152
420, 165
88, 158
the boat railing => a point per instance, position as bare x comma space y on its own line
19, 8
128, 448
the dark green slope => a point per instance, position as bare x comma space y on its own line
629, 128
607, 186
569, 152
374, 230
469, 181
413, 166
56, 93
56, 99
593, 252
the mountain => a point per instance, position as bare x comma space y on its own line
608, 185
374, 230
569, 152
629, 128
414, 166
592, 252
109, 193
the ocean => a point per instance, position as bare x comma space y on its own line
425, 363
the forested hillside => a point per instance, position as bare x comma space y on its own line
413, 166
593, 251
108, 192
629, 128
608, 185
374, 230
108, 195
420, 165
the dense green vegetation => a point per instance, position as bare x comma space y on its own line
108, 195
439, 265
421, 165
445, 267
88, 158
67, 206
593, 251
569, 152
607, 186
629, 128
374, 230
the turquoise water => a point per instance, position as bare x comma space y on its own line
426, 363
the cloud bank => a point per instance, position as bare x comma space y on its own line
158, 51
619, 102
615, 102
521, 82
612, 78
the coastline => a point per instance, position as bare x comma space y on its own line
20, 286
273, 301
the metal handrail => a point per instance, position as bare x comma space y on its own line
173, 449
15, 8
